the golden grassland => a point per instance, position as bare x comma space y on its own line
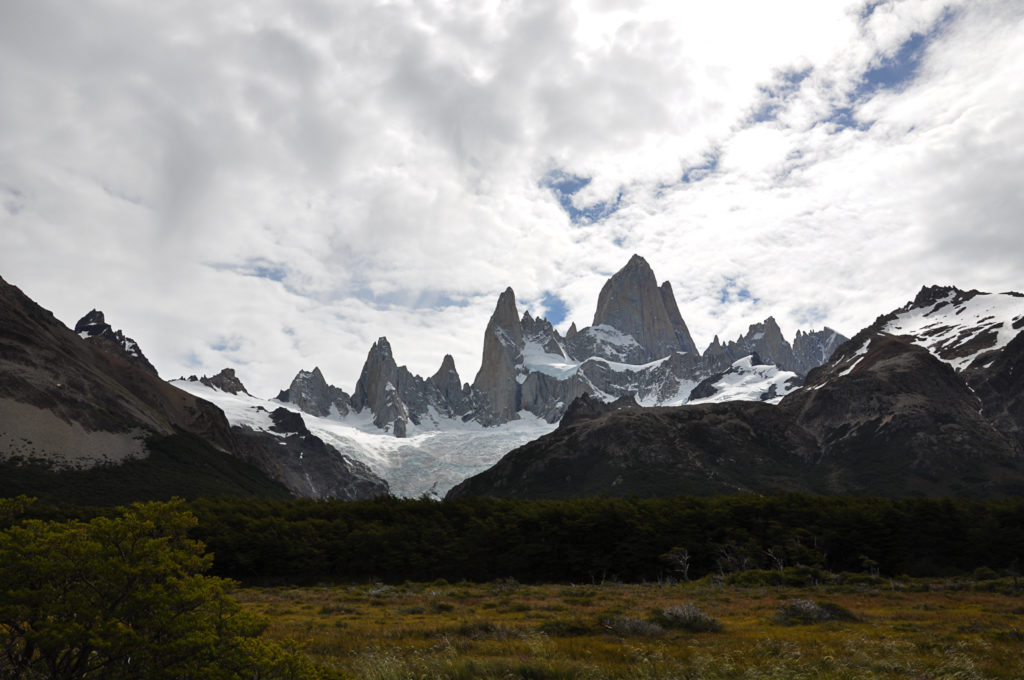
506, 630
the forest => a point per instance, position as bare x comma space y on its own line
597, 539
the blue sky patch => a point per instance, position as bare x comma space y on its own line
894, 72
698, 172
556, 308
565, 186
774, 96
258, 267
732, 292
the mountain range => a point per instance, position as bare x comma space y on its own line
627, 405
927, 400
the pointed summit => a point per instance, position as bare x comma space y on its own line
378, 389
632, 303
311, 393
503, 350
685, 342
93, 328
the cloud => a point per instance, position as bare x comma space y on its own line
275, 185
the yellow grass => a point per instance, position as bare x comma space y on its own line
507, 630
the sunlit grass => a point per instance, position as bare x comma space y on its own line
507, 630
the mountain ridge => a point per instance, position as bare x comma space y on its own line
638, 345
924, 401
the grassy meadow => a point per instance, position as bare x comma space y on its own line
886, 629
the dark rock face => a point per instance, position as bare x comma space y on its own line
902, 422
378, 389
1000, 387
449, 387
308, 466
225, 381
94, 328
764, 339
814, 348
311, 393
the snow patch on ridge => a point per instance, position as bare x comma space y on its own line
958, 332
747, 381
536, 359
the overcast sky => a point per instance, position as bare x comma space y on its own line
273, 184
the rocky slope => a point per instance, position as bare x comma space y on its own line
77, 407
929, 400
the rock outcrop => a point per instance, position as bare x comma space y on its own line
311, 393
814, 348
94, 328
225, 381
764, 339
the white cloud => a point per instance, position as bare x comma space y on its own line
384, 162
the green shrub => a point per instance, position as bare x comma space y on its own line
800, 611
627, 626
686, 617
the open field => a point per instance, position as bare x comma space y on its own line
920, 629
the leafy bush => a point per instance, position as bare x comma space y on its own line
800, 611
125, 597
687, 617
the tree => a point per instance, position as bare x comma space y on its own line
125, 597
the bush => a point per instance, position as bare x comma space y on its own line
799, 611
687, 617
985, 574
125, 597
629, 627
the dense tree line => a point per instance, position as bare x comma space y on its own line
389, 539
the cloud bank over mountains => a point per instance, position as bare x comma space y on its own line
287, 182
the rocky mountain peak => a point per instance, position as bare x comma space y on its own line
632, 303
225, 381
378, 389
814, 348
311, 393
94, 328
764, 339
929, 295
571, 333
92, 323
503, 349
684, 341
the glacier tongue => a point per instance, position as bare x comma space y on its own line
432, 458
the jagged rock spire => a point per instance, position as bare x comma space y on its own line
378, 389
631, 302
503, 347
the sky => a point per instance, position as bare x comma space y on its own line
272, 185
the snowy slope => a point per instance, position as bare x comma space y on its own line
747, 381
428, 460
960, 326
